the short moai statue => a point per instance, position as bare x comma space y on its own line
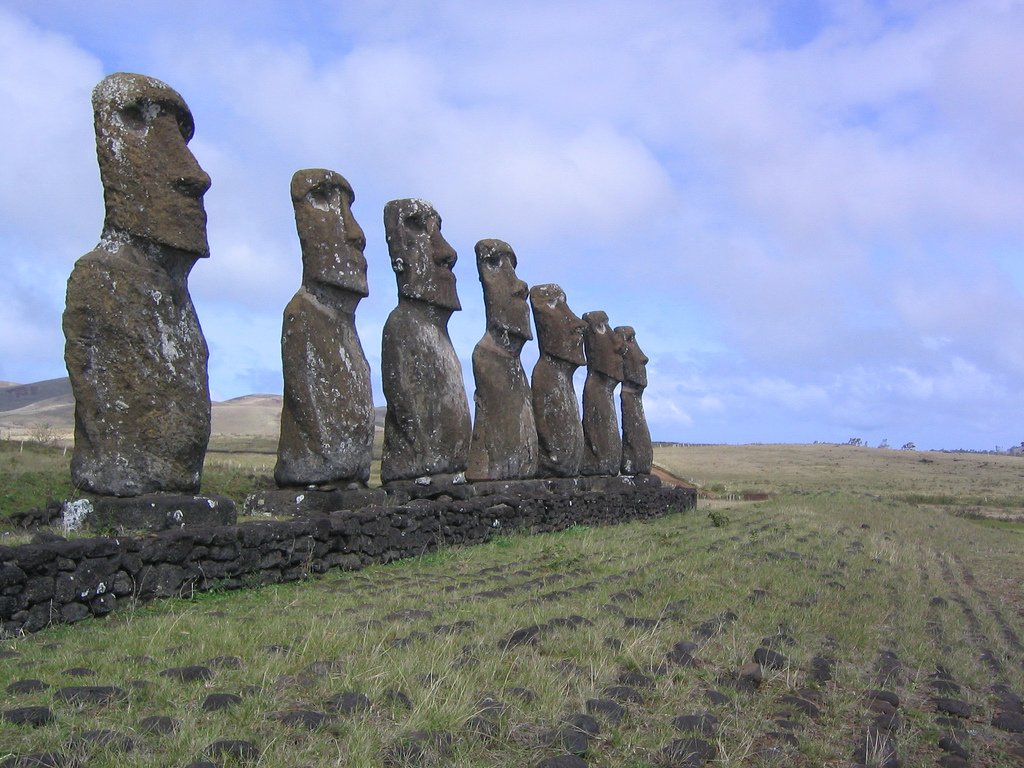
602, 441
637, 450
135, 352
504, 445
427, 428
555, 409
327, 419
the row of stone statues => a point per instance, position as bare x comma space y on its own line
137, 358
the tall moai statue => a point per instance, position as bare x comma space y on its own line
134, 350
555, 410
327, 418
504, 445
637, 450
602, 442
427, 429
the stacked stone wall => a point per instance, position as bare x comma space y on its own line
54, 580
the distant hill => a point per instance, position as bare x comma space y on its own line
14, 396
24, 408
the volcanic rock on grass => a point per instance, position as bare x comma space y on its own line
420, 747
953, 747
397, 698
748, 678
703, 723
635, 679
623, 693
39, 760
609, 709
770, 659
1009, 721
225, 662
876, 748
237, 749
27, 686
159, 724
89, 694
189, 674
348, 702
302, 718
822, 668
524, 636
33, 716
954, 707
102, 738
525, 695
79, 672
218, 701
685, 753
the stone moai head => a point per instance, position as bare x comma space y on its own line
603, 345
634, 361
504, 293
152, 185
332, 240
422, 259
559, 330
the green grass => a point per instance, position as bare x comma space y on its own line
845, 565
848, 568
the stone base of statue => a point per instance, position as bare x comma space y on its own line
149, 512
432, 487
298, 501
616, 483
511, 487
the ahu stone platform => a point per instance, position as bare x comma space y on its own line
54, 580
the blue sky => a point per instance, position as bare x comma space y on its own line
811, 212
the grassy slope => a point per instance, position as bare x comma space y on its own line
847, 566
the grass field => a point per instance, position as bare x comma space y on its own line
860, 572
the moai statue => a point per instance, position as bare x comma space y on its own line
602, 442
504, 445
637, 451
327, 419
427, 428
555, 410
134, 350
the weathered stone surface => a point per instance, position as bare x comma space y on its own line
504, 444
327, 417
637, 449
427, 429
555, 410
602, 442
134, 350
159, 511
293, 501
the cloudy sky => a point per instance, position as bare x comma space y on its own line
811, 212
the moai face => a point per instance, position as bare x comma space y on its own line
152, 185
559, 331
422, 259
332, 240
603, 345
504, 293
634, 361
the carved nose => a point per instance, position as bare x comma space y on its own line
521, 290
444, 254
194, 184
